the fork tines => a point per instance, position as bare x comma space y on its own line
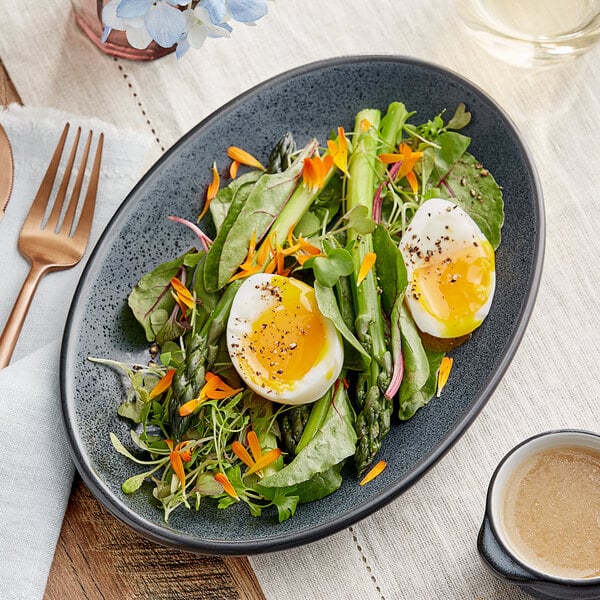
38, 208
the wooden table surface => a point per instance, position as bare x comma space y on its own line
99, 558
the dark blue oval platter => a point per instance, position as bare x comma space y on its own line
308, 101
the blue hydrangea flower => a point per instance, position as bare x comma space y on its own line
181, 23
244, 11
247, 11
131, 9
213, 30
165, 24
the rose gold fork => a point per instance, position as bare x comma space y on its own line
54, 244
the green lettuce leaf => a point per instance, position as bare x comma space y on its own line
335, 441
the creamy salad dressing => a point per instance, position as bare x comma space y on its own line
551, 511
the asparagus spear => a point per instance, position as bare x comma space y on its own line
317, 416
282, 155
292, 423
373, 421
200, 354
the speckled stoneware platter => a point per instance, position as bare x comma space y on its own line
309, 101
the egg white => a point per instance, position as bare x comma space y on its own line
259, 294
438, 232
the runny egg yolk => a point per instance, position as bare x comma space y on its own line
455, 289
287, 338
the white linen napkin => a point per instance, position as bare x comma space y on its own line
35, 468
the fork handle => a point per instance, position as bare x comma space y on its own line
12, 329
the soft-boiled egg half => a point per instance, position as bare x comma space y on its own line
451, 270
279, 341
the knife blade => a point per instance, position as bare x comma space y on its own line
6, 171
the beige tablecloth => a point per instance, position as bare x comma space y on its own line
422, 546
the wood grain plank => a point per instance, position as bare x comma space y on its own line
8, 92
99, 558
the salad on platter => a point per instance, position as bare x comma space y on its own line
325, 307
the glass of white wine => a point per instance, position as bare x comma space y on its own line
533, 32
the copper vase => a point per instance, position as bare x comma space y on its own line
88, 16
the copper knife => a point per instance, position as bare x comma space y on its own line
6, 171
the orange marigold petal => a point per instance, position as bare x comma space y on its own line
443, 374
244, 273
406, 168
270, 268
186, 298
182, 307
184, 451
254, 444
409, 159
178, 468
210, 386
280, 259
164, 383
315, 170
412, 181
177, 284
374, 472
227, 487
184, 295
213, 186
227, 389
365, 125
241, 452
388, 159
338, 149
291, 250
366, 266
341, 163
302, 258
223, 394
216, 389
189, 407
247, 266
265, 251
290, 235
308, 247
233, 169
265, 460
211, 191
406, 150
310, 175
244, 158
